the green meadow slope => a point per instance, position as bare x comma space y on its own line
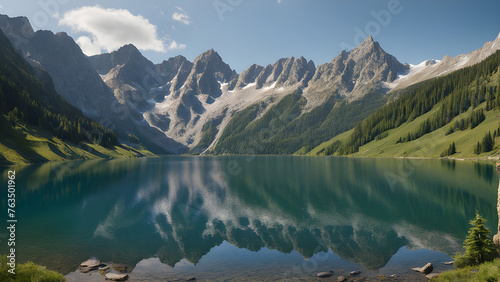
440, 103
428, 146
21, 144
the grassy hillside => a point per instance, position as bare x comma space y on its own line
21, 145
320, 149
424, 121
430, 145
38, 125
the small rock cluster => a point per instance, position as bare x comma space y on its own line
95, 264
340, 278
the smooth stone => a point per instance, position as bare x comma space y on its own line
393, 276
432, 275
116, 277
191, 279
356, 272
426, 269
84, 269
325, 274
341, 279
104, 268
449, 262
91, 263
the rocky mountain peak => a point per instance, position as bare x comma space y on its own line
367, 48
368, 40
248, 76
128, 49
210, 63
127, 55
352, 74
17, 29
169, 68
208, 56
172, 63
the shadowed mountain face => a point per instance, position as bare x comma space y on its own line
182, 208
77, 81
73, 75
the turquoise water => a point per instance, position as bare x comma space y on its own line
259, 218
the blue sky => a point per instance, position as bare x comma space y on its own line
244, 32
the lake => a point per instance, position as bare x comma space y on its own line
249, 218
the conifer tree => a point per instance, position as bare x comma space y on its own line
488, 142
478, 246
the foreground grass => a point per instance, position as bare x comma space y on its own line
488, 271
28, 272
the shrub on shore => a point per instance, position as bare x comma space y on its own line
28, 272
488, 271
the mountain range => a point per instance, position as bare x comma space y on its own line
38, 125
204, 106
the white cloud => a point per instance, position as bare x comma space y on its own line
1, 6
172, 45
181, 16
109, 29
88, 47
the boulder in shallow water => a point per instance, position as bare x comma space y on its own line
91, 263
324, 274
426, 269
356, 272
341, 279
84, 269
116, 277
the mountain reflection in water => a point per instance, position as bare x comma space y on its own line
175, 208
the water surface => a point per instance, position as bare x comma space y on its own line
262, 218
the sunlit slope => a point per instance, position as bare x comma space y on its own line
427, 112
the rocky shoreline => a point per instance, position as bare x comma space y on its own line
95, 270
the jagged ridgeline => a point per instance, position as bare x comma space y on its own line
338, 96
28, 97
456, 93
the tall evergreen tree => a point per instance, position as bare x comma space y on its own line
478, 246
488, 142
